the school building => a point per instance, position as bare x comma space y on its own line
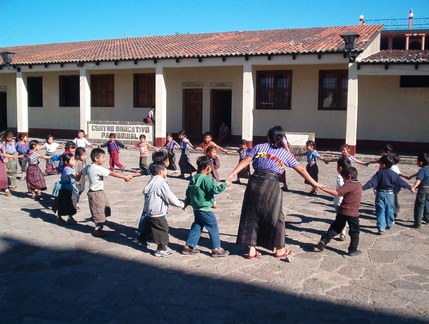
307, 80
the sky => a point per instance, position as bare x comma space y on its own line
28, 22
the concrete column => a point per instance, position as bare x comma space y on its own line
160, 106
248, 104
352, 108
85, 100
21, 103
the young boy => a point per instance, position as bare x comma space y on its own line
421, 206
144, 147
348, 211
158, 197
345, 154
113, 146
208, 142
98, 202
81, 141
387, 182
385, 150
342, 164
200, 195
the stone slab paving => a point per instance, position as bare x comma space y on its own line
55, 274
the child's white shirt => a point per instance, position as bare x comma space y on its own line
396, 168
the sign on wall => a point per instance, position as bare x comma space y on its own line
126, 132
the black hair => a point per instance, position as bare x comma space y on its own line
387, 160
207, 134
243, 142
160, 157
344, 163
33, 144
156, 168
423, 158
350, 172
112, 135
203, 162
169, 134
388, 148
49, 136
182, 133
311, 143
69, 145
66, 158
7, 133
21, 136
79, 151
96, 153
210, 148
395, 158
275, 136
142, 136
346, 146
81, 131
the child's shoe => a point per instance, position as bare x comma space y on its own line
190, 251
8, 193
380, 232
320, 246
163, 253
219, 253
140, 242
71, 221
99, 233
60, 221
355, 253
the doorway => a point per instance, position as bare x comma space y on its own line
3, 111
221, 107
193, 112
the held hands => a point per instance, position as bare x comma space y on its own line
228, 181
128, 178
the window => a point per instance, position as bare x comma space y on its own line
102, 90
35, 91
273, 89
69, 91
333, 90
414, 81
144, 90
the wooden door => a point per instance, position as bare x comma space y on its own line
3, 111
193, 112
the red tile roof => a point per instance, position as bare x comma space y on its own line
398, 56
263, 42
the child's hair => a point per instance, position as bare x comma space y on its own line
21, 136
96, 154
395, 158
344, 163
182, 133
210, 148
7, 133
311, 143
275, 136
79, 152
142, 136
160, 157
49, 136
156, 168
81, 131
207, 134
350, 172
423, 158
387, 160
69, 145
202, 163
388, 148
112, 135
169, 135
346, 146
243, 142
66, 158
33, 144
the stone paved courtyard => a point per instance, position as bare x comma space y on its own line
55, 274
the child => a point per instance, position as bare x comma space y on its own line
312, 167
208, 142
35, 180
144, 147
170, 144
81, 141
395, 168
215, 165
113, 146
22, 147
348, 211
158, 197
385, 150
80, 157
51, 147
345, 154
64, 204
185, 158
12, 164
342, 164
150, 116
97, 199
3, 175
242, 152
200, 194
70, 147
386, 182
421, 205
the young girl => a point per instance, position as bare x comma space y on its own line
22, 147
80, 157
12, 164
51, 147
70, 147
64, 203
242, 151
144, 147
35, 180
185, 158
211, 152
3, 175
312, 167
170, 145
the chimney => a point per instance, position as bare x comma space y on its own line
410, 19
361, 21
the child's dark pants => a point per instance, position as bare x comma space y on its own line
338, 225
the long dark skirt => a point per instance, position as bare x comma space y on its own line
172, 160
3, 176
35, 179
313, 171
185, 163
65, 203
262, 220
245, 173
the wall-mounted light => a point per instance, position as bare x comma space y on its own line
7, 56
350, 38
